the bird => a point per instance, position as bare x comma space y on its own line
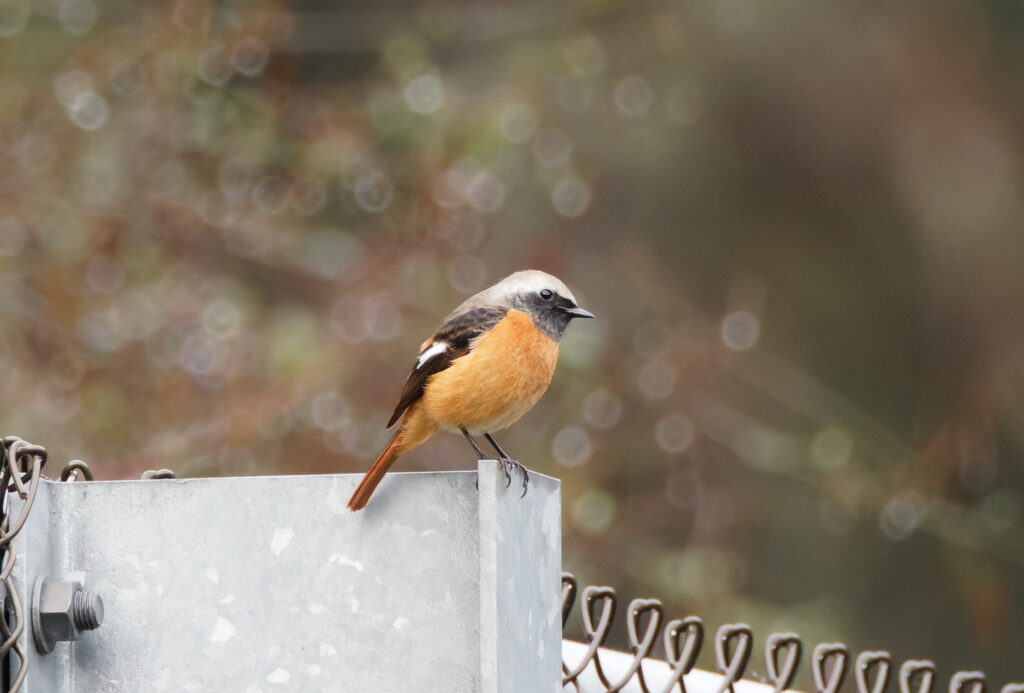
487, 365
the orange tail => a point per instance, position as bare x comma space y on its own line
376, 472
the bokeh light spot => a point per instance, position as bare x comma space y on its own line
69, 85
585, 55
14, 16
89, 110
374, 191
675, 432
329, 411
572, 446
214, 67
634, 96
77, 16
486, 193
831, 447
518, 122
467, 274
250, 56
593, 511
657, 379
236, 178
902, 515
222, 319
602, 409
571, 197
424, 94
740, 330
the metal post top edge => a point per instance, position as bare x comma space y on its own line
285, 478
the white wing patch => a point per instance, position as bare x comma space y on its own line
435, 349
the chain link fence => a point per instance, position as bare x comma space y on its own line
589, 666
683, 638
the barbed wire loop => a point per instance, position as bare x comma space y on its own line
824, 654
967, 682
881, 662
154, 474
923, 669
684, 638
733, 646
76, 470
651, 612
569, 587
782, 679
595, 636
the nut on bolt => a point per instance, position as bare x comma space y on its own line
61, 611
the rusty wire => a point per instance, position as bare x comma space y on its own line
76, 470
683, 638
20, 472
156, 474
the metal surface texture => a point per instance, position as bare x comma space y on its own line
271, 583
589, 667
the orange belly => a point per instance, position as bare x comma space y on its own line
498, 381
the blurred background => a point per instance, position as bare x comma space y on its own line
226, 227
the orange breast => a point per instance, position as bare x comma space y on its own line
498, 381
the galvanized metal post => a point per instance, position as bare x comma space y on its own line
270, 583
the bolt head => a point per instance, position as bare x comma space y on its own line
56, 601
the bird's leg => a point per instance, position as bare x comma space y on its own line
479, 452
508, 462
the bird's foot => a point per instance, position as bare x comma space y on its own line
510, 465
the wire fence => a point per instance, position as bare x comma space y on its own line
681, 639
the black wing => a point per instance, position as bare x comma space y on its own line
457, 334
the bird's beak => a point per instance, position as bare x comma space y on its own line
578, 312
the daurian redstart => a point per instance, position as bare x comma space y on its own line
487, 365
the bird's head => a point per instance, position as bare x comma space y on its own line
541, 296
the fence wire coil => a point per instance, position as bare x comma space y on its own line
683, 638
679, 640
21, 469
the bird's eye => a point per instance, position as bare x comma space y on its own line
546, 294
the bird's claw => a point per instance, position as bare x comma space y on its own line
509, 465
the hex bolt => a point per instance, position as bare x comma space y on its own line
61, 611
